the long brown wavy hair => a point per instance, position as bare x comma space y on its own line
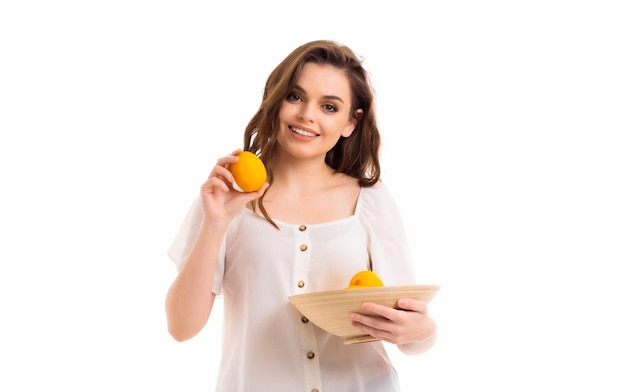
356, 155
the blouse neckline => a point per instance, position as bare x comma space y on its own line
321, 224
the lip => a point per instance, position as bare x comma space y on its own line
302, 132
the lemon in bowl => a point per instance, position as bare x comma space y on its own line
365, 278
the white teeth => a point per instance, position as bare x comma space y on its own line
303, 133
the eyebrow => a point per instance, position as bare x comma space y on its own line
334, 97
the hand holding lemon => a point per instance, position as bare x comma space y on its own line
249, 172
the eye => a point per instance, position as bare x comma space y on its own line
293, 97
330, 108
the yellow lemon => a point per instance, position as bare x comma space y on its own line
249, 172
365, 279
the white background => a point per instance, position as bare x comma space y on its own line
503, 127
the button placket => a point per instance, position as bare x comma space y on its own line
302, 254
312, 373
302, 258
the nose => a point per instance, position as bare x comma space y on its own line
307, 112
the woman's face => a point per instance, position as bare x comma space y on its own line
316, 112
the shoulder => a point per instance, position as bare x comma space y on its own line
377, 193
376, 203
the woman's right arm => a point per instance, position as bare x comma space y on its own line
190, 298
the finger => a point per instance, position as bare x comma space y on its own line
227, 160
213, 183
222, 172
250, 196
374, 327
413, 305
263, 189
382, 310
379, 323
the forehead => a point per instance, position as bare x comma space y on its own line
324, 79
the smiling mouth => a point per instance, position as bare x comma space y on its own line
301, 132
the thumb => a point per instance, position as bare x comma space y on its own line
255, 195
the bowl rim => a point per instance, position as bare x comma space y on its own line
359, 291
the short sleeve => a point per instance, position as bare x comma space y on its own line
187, 233
389, 248
185, 238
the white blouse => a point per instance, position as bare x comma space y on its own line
267, 345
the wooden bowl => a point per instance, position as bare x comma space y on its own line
330, 310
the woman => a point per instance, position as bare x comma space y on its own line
317, 134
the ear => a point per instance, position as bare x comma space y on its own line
354, 120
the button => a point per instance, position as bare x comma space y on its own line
302, 227
304, 320
300, 283
310, 355
303, 247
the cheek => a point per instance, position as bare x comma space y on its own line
285, 111
336, 125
